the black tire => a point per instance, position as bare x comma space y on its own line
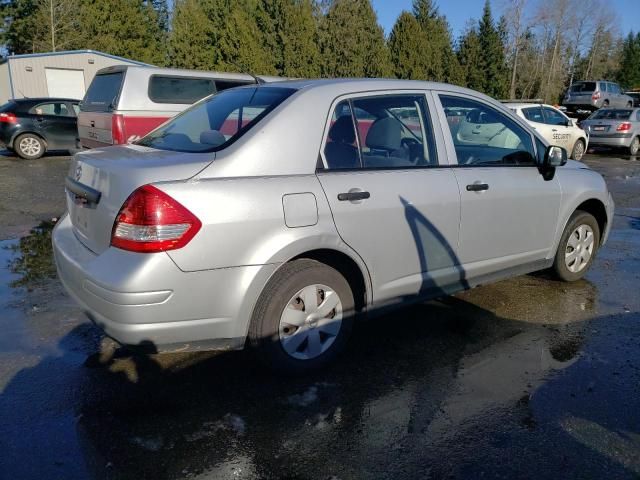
629, 104
29, 146
264, 331
578, 150
579, 218
635, 146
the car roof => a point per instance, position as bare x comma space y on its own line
43, 99
344, 86
526, 105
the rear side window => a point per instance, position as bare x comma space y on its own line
218, 121
103, 92
184, 90
380, 132
53, 109
583, 87
533, 114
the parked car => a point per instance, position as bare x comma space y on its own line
554, 126
125, 102
615, 127
31, 126
635, 95
591, 95
323, 202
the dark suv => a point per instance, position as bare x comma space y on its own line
31, 126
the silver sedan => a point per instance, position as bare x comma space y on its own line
615, 127
275, 215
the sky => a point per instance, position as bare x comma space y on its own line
458, 12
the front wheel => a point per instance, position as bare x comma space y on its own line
303, 318
635, 146
29, 146
578, 150
578, 247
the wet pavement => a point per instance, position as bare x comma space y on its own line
526, 378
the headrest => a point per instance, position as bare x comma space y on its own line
342, 130
385, 134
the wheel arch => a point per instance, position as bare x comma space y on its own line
29, 132
596, 208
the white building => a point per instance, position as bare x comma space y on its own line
56, 74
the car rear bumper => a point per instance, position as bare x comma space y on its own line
614, 140
146, 300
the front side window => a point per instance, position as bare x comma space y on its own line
388, 131
181, 90
218, 121
54, 109
553, 117
533, 114
487, 137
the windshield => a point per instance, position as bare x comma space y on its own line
583, 87
217, 121
611, 114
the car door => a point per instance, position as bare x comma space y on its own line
56, 123
393, 198
561, 133
535, 119
508, 211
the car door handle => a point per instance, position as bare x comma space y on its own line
477, 187
351, 196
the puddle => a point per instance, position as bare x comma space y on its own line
31, 257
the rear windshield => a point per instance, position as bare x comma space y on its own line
217, 121
9, 107
583, 87
185, 90
103, 92
611, 114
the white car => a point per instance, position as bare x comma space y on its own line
554, 126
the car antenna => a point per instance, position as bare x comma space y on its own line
258, 80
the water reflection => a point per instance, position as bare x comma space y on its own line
33, 257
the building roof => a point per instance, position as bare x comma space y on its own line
73, 52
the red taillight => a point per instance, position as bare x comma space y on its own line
624, 127
151, 221
8, 118
117, 129
595, 96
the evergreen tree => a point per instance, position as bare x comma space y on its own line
629, 73
352, 42
193, 35
470, 58
492, 55
440, 60
289, 33
127, 28
407, 41
18, 25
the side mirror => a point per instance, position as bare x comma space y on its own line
555, 157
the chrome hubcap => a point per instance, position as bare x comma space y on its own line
310, 322
579, 248
578, 151
30, 146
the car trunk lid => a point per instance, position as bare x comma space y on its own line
99, 182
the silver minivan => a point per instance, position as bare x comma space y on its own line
591, 95
125, 102
274, 215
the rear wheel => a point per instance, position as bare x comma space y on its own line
635, 146
29, 146
578, 247
578, 150
629, 104
303, 318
